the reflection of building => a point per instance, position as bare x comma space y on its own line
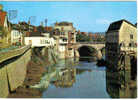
120, 36
118, 87
66, 77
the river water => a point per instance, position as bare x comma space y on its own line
71, 79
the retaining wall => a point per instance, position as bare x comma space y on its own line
13, 74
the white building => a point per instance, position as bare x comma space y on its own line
65, 28
16, 37
39, 41
46, 35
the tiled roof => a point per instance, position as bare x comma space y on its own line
117, 25
35, 34
48, 28
64, 23
2, 17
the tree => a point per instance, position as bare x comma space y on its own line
82, 38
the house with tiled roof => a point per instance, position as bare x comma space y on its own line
121, 36
4, 27
66, 34
3, 20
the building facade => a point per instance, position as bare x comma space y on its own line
121, 37
4, 27
39, 41
16, 37
67, 37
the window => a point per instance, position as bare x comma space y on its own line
122, 44
130, 45
131, 36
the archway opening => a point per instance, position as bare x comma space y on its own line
87, 53
103, 52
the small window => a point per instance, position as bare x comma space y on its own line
130, 44
122, 44
131, 36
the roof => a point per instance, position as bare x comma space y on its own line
23, 23
117, 25
35, 34
48, 28
15, 26
64, 23
2, 17
136, 24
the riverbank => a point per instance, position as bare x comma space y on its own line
35, 69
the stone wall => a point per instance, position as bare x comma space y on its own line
13, 74
4, 90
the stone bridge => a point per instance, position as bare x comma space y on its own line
98, 46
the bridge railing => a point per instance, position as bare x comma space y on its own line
13, 53
90, 42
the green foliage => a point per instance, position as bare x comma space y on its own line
1, 28
82, 38
86, 38
3, 31
100, 39
92, 50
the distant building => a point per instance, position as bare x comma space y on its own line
37, 40
120, 36
26, 28
16, 37
97, 37
48, 28
4, 27
84, 33
67, 37
66, 29
78, 32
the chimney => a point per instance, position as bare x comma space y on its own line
35, 29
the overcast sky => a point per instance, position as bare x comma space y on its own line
86, 16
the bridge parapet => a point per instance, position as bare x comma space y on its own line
90, 42
95, 45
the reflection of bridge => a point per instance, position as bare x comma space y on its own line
98, 46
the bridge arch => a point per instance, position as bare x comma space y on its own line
89, 51
97, 47
86, 50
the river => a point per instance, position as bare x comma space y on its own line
70, 79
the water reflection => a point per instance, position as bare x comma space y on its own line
118, 85
68, 79
60, 74
88, 59
83, 80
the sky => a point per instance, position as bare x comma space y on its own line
86, 16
